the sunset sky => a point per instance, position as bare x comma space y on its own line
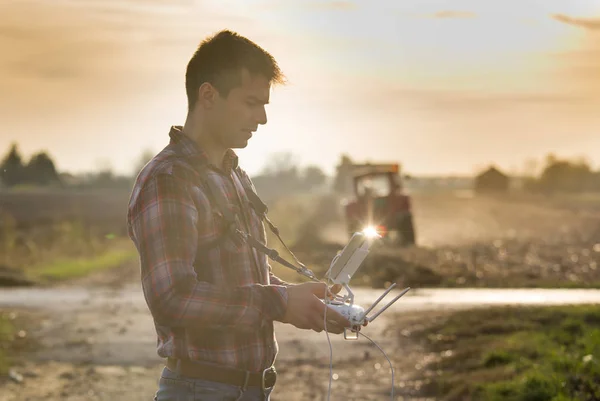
441, 86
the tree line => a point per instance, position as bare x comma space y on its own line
564, 175
38, 170
282, 174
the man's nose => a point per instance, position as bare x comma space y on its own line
261, 117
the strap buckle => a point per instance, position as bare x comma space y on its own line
269, 377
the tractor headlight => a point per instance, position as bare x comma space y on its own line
371, 232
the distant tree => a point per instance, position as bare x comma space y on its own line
551, 159
283, 163
566, 176
142, 160
279, 176
343, 178
41, 169
313, 177
12, 170
103, 176
530, 167
283, 170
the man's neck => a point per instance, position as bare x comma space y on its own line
214, 152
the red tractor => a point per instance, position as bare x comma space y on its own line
380, 204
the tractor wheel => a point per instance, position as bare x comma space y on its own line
406, 231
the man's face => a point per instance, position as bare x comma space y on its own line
237, 116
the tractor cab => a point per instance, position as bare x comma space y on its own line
380, 203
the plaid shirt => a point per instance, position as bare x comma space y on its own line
214, 304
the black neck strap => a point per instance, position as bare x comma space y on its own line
261, 209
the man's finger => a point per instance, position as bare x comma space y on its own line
317, 323
338, 318
304, 324
332, 315
333, 290
318, 289
333, 327
336, 288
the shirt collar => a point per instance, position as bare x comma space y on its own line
191, 151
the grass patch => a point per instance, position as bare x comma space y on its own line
7, 332
516, 354
14, 338
53, 250
69, 268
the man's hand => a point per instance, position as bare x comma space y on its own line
334, 289
306, 311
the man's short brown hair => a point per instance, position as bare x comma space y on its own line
220, 59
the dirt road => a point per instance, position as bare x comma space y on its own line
98, 343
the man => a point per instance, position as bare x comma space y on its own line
213, 298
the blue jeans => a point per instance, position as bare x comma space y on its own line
173, 387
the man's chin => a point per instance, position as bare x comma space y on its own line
240, 144
239, 140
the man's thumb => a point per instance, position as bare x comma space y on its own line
319, 289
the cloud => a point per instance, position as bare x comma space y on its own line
101, 41
335, 5
465, 102
16, 33
577, 67
82, 57
587, 23
332, 5
453, 14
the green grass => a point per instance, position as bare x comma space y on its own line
7, 332
516, 354
69, 268
15, 340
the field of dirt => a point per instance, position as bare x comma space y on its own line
100, 346
462, 240
478, 241
32, 208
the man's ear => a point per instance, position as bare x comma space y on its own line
207, 95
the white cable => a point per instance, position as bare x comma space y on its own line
325, 327
358, 332
331, 356
328, 339
386, 357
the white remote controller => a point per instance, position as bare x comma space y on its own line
342, 268
354, 313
